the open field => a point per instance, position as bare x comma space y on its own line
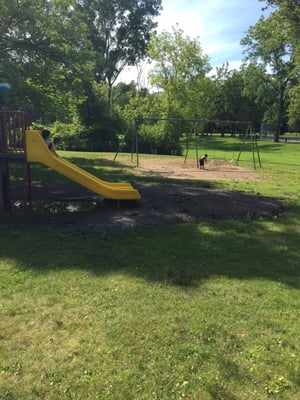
204, 308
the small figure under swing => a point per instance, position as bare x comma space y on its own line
202, 161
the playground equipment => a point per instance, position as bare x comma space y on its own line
20, 145
37, 151
201, 127
243, 129
12, 132
250, 134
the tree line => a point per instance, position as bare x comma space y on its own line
63, 58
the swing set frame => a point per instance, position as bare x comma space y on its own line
247, 136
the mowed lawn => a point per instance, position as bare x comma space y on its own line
202, 311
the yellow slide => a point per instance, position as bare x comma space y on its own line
37, 151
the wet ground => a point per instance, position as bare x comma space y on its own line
72, 206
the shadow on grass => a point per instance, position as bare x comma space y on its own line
102, 168
183, 255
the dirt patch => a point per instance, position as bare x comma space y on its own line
214, 169
160, 203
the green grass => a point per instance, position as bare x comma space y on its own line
229, 148
193, 311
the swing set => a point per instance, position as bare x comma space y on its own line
201, 129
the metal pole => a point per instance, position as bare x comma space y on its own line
136, 148
133, 138
196, 144
187, 147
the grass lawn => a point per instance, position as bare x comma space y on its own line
202, 311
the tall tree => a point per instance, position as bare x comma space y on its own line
259, 91
268, 42
41, 53
179, 66
290, 13
119, 31
179, 74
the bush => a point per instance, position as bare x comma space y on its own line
67, 136
154, 139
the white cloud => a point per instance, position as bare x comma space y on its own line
218, 24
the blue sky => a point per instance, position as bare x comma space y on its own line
219, 25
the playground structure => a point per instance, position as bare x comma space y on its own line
243, 129
202, 128
13, 125
20, 145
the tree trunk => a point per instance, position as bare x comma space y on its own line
109, 95
281, 107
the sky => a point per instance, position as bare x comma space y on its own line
219, 26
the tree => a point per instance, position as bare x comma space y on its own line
41, 54
123, 92
290, 13
259, 91
179, 75
228, 99
179, 64
119, 32
268, 42
100, 124
283, 3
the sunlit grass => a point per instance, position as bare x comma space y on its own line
187, 311
194, 311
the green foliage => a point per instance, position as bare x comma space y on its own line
179, 66
289, 11
259, 92
49, 49
230, 102
52, 52
122, 94
161, 137
178, 59
294, 109
198, 99
67, 136
269, 42
40, 55
119, 33
100, 124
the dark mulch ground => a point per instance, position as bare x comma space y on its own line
72, 206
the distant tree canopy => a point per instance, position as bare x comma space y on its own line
42, 54
289, 14
49, 48
268, 41
119, 33
63, 59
